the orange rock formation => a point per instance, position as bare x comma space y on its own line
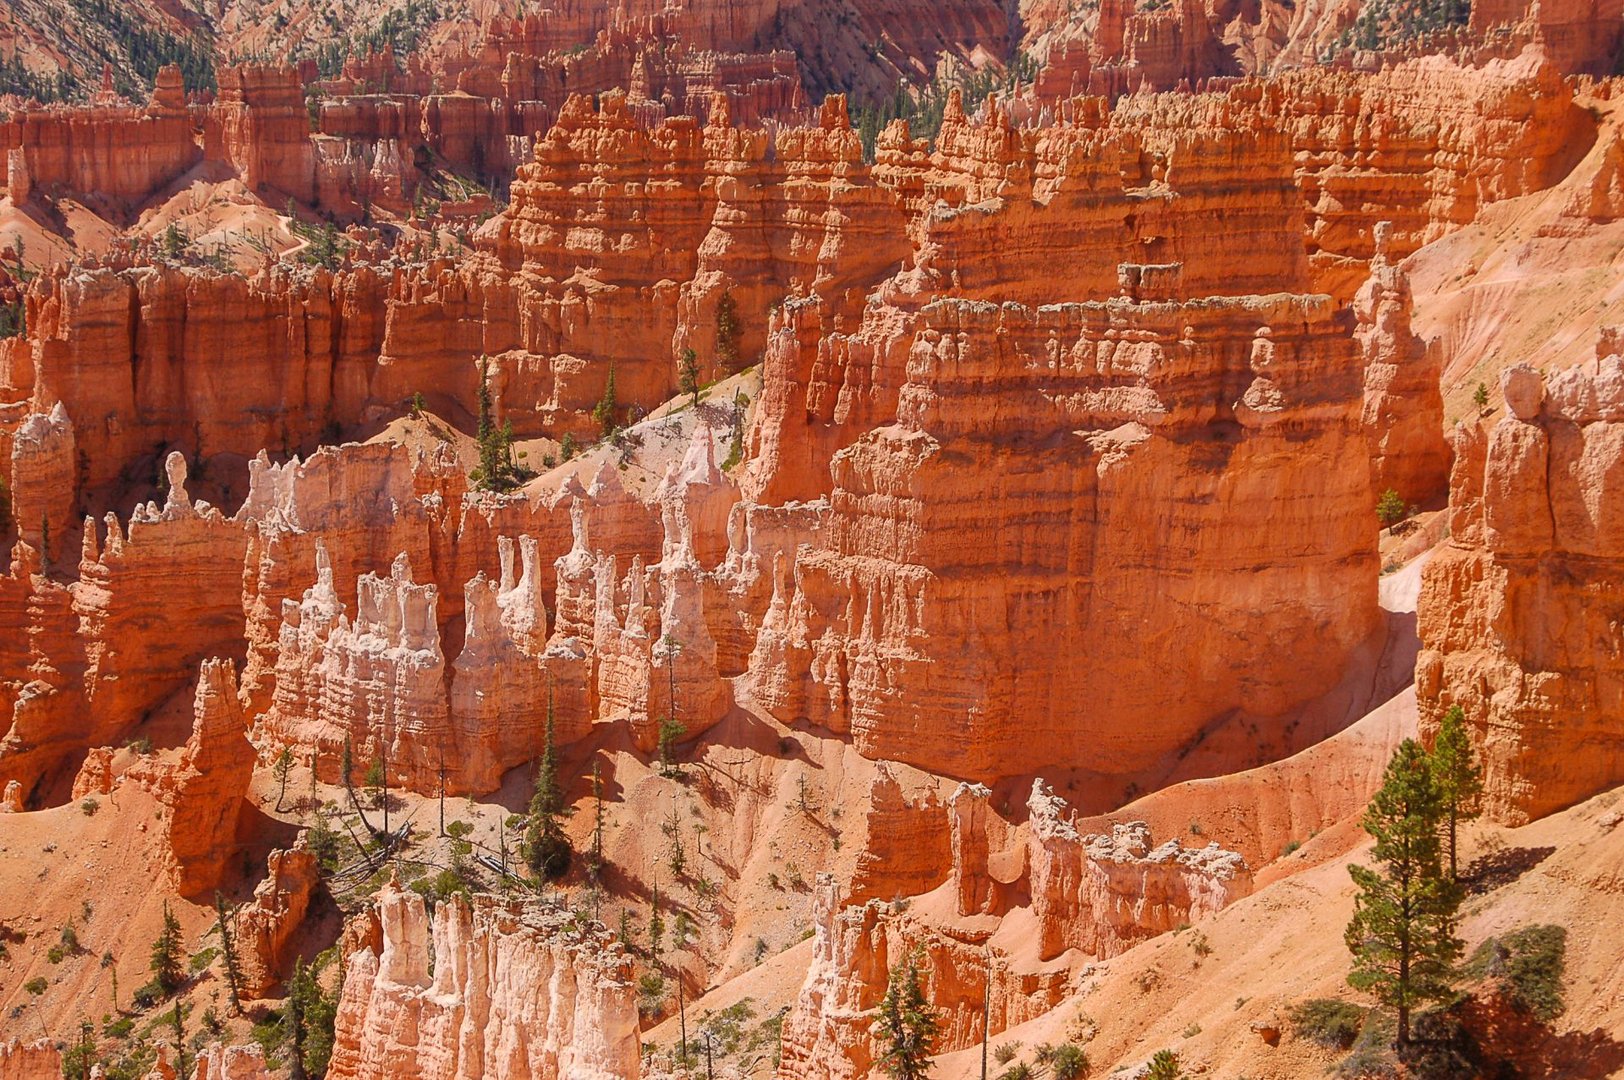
1512, 606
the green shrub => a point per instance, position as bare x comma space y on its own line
1004, 1053
147, 995
89, 807
36, 985
1328, 1022
1069, 1062
1390, 508
1528, 965
1372, 1055
1164, 1066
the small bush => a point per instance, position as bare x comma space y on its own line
1290, 847
1528, 964
1069, 1062
1019, 1071
120, 1028
36, 985
56, 954
148, 995
1328, 1022
1390, 508
1192, 1031
1164, 1066
1004, 1053
1372, 1055
89, 807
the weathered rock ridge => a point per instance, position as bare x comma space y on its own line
513, 992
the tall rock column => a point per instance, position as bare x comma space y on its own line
1403, 404
43, 482
1519, 611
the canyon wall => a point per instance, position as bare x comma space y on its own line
1079, 274
1514, 605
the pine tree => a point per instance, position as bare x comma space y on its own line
308, 1024
166, 954
676, 859
496, 471
546, 848
597, 821
607, 407
727, 332
177, 1020
228, 952
627, 933
293, 1022
688, 375
1402, 932
656, 924
346, 766
283, 766
907, 1024
1460, 781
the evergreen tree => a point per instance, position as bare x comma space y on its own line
656, 924
597, 821
346, 766
166, 954
605, 410
1460, 781
177, 1020
627, 933
496, 470
727, 332
688, 372
1402, 932
283, 766
546, 848
907, 1023
81, 1057
293, 1021
308, 1024
228, 952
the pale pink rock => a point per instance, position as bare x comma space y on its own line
515, 991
